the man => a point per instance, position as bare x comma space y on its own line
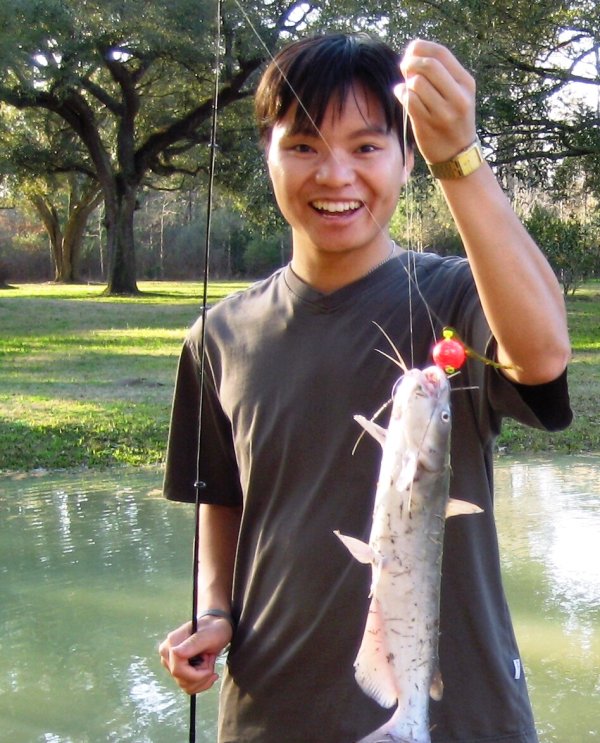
291, 360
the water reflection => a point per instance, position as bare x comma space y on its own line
94, 570
548, 514
95, 567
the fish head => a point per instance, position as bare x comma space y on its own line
421, 409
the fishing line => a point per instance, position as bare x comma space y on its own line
408, 201
412, 247
199, 484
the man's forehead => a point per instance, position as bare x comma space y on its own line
358, 103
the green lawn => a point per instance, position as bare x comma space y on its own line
584, 383
86, 380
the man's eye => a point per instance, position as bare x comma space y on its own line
368, 148
302, 148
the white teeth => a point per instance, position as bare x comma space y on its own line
336, 206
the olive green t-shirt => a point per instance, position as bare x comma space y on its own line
286, 369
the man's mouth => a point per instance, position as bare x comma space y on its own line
336, 207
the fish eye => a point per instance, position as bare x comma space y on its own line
445, 416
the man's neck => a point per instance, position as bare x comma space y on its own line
334, 271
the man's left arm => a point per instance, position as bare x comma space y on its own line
519, 292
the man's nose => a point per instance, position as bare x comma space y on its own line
335, 170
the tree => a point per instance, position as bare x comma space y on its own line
571, 247
66, 232
533, 62
134, 80
42, 161
131, 80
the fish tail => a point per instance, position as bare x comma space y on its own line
387, 733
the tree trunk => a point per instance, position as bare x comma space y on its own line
121, 249
75, 229
50, 218
65, 242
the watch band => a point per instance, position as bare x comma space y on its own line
466, 162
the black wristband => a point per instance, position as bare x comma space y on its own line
217, 613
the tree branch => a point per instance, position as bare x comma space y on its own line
187, 126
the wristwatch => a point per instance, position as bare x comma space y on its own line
466, 162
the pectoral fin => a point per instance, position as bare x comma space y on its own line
372, 668
457, 507
377, 432
357, 548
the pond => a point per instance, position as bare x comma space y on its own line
95, 568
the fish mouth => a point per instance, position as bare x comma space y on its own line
337, 207
435, 380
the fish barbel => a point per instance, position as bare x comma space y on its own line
397, 663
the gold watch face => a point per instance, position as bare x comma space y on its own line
469, 161
460, 166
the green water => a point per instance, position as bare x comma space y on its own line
548, 514
95, 569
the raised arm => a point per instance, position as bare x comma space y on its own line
520, 295
219, 528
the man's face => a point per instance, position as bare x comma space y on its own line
338, 187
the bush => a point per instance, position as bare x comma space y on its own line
570, 246
264, 255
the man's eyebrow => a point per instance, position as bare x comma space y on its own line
310, 130
371, 129
304, 130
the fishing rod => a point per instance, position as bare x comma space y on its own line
199, 484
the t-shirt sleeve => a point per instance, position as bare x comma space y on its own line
213, 463
545, 406
549, 402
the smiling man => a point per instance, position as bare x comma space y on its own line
292, 359
337, 183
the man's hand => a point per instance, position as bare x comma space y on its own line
439, 95
202, 648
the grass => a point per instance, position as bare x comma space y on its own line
584, 384
87, 380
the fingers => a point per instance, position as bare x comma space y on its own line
195, 678
190, 658
440, 98
437, 63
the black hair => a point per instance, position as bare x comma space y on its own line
323, 69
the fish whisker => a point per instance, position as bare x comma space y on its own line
400, 361
391, 358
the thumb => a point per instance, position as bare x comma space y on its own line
189, 647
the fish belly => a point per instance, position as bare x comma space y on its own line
404, 615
